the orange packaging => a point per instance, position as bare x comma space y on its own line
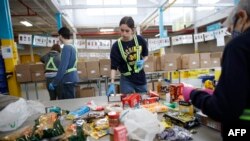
175, 91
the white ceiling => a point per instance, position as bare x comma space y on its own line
87, 16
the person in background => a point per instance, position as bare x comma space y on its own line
230, 101
128, 55
52, 60
67, 76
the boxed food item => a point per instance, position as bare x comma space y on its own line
175, 91
180, 119
131, 101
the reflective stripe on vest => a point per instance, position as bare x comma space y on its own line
245, 115
51, 62
74, 68
138, 49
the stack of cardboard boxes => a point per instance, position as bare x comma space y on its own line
30, 73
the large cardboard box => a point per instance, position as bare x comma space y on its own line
93, 70
150, 64
82, 70
190, 61
158, 63
85, 92
23, 73
205, 61
171, 62
216, 55
215, 62
37, 72
105, 65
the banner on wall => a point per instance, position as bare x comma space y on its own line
25, 39
40, 41
177, 40
81, 43
92, 44
187, 39
104, 44
209, 36
199, 37
52, 41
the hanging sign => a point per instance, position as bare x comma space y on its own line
209, 36
52, 41
25, 39
40, 41
198, 38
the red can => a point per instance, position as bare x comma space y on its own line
113, 119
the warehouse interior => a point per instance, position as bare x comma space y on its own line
176, 31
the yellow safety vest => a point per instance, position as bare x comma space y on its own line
245, 115
74, 68
138, 49
51, 62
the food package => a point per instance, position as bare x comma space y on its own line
176, 92
131, 101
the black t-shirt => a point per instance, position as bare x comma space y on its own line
117, 62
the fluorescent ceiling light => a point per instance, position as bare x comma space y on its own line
106, 30
26, 23
157, 35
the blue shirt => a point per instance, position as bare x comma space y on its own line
68, 59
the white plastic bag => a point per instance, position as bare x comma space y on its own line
141, 124
16, 113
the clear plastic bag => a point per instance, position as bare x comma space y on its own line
141, 124
16, 113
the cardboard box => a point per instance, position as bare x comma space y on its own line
37, 72
171, 62
85, 92
81, 70
158, 63
190, 61
93, 70
105, 65
216, 55
23, 73
205, 61
149, 66
215, 62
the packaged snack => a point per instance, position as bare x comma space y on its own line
78, 112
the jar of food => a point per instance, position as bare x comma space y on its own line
113, 119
